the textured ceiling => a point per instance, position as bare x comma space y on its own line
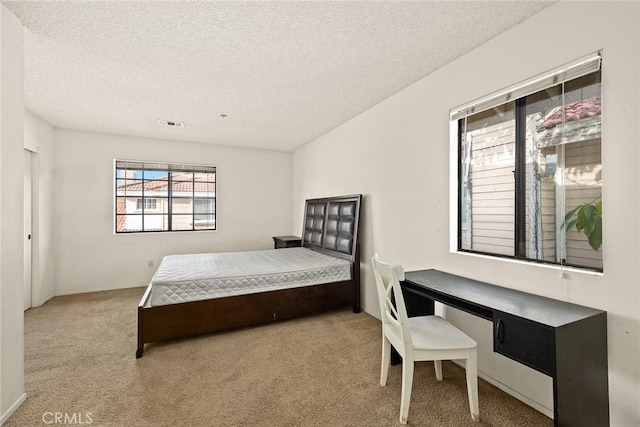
284, 73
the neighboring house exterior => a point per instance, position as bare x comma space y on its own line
564, 170
153, 204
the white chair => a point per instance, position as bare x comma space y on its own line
417, 339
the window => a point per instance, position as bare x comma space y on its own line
148, 204
164, 197
205, 211
530, 170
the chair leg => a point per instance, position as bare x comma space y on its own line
472, 385
386, 360
407, 382
438, 366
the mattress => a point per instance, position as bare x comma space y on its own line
193, 277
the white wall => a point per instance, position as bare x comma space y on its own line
253, 204
11, 211
38, 137
397, 155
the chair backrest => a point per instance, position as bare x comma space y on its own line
393, 311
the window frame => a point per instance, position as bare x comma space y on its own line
170, 169
142, 202
522, 89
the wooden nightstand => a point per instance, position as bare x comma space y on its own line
280, 242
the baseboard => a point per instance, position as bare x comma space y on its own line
87, 291
521, 397
43, 300
13, 408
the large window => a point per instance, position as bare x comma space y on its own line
530, 170
164, 197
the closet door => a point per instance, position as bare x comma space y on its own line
27, 229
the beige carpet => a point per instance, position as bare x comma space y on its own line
316, 371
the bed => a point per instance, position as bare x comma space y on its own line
201, 293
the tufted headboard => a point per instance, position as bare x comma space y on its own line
331, 225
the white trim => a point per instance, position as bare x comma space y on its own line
13, 408
521, 397
137, 233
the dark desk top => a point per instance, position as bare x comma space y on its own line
536, 308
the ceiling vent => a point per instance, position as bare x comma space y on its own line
170, 123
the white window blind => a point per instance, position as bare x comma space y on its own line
570, 71
172, 167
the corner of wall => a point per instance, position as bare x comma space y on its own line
11, 218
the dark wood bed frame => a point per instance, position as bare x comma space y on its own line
330, 226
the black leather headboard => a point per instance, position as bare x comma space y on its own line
331, 225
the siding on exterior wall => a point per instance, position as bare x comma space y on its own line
583, 183
493, 200
493, 187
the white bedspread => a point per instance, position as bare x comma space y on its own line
193, 277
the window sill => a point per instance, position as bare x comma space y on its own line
560, 269
165, 232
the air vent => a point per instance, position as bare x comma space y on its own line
170, 123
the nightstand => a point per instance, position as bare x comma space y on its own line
280, 242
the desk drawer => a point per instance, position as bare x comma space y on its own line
524, 341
